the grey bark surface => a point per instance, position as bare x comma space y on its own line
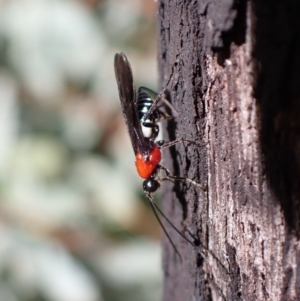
236, 88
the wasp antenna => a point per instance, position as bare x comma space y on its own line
172, 225
154, 208
199, 248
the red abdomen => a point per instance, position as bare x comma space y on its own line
146, 168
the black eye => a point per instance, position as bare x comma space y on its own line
150, 185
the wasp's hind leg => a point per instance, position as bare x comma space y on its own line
165, 144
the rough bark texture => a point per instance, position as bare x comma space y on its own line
235, 86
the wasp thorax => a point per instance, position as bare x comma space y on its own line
150, 185
147, 166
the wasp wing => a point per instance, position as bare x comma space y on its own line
128, 102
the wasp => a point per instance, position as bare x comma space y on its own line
142, 114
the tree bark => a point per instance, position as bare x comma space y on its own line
235, 86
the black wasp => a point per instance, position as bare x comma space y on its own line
142, 114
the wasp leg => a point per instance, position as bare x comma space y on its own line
164, 144
170, 177
167, 103
160, 96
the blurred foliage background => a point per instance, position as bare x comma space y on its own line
74, 225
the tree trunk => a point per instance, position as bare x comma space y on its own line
235, 87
